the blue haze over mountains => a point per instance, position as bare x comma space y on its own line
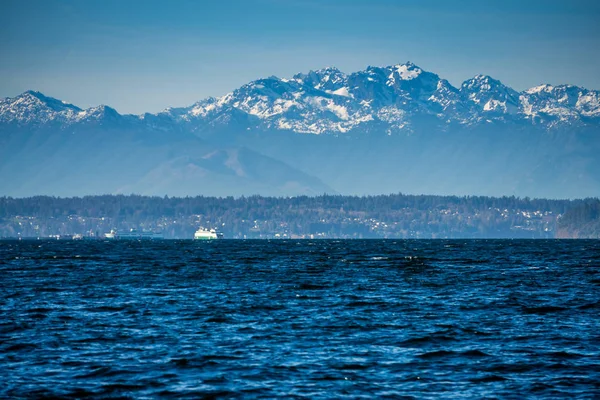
381, 130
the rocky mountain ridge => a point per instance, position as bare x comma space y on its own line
389, 99
381, 130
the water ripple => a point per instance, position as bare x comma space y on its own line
301, 319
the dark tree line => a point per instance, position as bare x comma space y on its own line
134, 205
582, 220
395, 215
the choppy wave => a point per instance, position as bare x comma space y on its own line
314, 319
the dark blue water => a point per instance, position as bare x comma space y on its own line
314, 319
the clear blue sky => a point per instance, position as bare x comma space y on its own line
146, 55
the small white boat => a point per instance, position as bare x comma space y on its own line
206, 234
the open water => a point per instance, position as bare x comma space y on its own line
300, 319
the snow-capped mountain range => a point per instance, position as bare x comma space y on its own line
382, 130
327, 101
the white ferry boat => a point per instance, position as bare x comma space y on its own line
206, 234
133, 234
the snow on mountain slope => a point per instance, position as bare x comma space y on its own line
495, 141
34, 108
490, 96
559, 105
329, 79
389, 99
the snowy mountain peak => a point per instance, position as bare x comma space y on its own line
481, 82
32, 97
540, 88
329, 78
560, 104
485, 83
384, 99
35, 108
32, 107
490, 95
406, 71
32, 94
329, 71
328, 101
101, 111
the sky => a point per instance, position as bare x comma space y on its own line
145, 56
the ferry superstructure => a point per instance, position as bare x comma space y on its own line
207, 234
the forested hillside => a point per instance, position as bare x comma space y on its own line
385, 216
582, 221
